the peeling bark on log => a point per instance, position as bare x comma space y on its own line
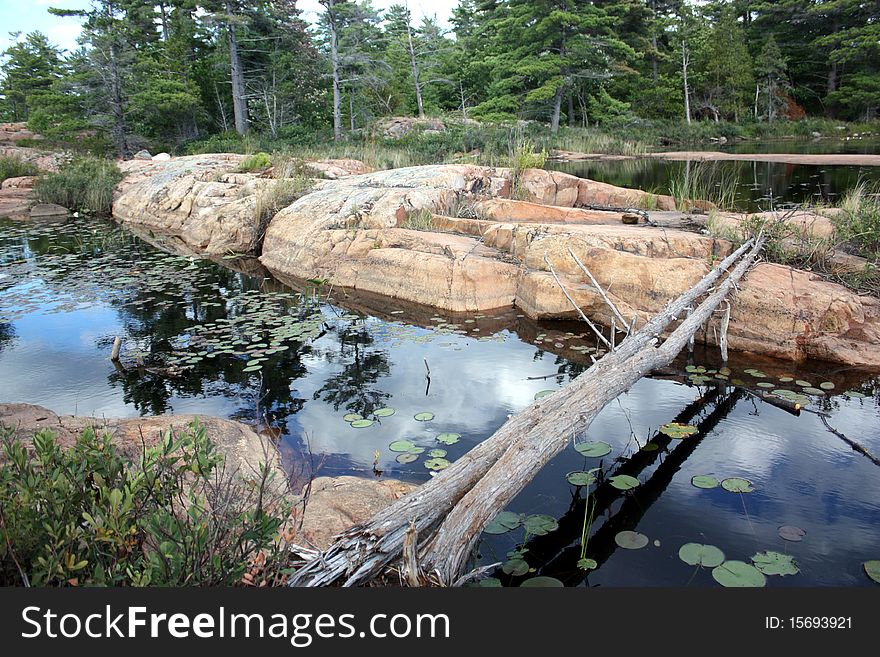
452, 509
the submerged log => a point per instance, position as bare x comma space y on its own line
450, 512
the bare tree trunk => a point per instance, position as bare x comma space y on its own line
570, 109
504, 463
415, 67
463, 103
163, 17
117, 105
239, 103
557, 110
334, 64
685, 59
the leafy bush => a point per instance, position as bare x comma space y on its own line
87, 516
255, 162
12, 167
84, 185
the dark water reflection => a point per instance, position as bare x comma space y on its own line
67, 289
759, 186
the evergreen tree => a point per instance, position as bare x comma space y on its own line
32, 66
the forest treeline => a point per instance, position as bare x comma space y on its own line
161, 74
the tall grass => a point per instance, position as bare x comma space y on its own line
84, 185
692, 182
13, 167
857, 224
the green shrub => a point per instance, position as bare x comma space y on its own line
87, 516
256, 162
857, 225
12, 167
84, 185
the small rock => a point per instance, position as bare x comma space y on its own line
630, 218
161, 157
49, 210
143, 155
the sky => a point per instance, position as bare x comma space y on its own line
28, 15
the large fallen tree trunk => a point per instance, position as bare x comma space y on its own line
452, 509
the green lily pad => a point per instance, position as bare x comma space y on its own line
448, 438
826, 385
629, 540
503, 523
765, 384
649, 447
677, 431
515, 567
540, 524
624, 482
424, 416
707, 556
854, 394
360, 424
593, 449
705, 481
252, 368
488, 583
786, 379
437, 453
436, 464
401, 446
581, 478
775, 563
804, 384
738, 574
737, 485
546, 582
383, 412
872, 569
792, 533
587, 564
543, 393
407, 457
351, 417
814, 391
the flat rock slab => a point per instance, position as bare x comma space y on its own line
48, 210
337, 503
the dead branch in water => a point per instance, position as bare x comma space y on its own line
849, 441
450, 511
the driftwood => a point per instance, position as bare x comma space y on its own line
450, 511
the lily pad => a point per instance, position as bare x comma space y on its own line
437, 453
424, 416
503, 523
436, 464
705, 481
581, 478
775, 563
792, 533
694, 554
360, 424
407, 457
540, 524
854, 394
593, 449
872, 569
515, 567
488, 583
587, 564
738, 574
252, 368
401, 446
383, 412
826, 385
649, 447
814, 391
543, 393
629, 540
351, 417
677, 431
448, 438
624, 482
804, 384
737, 485
546, 582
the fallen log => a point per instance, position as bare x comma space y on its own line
450, 511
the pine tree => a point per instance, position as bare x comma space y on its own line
31, 67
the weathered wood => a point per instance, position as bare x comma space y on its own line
500, 466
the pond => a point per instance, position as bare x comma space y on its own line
223, 338
757, 186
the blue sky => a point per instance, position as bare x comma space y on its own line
28, 15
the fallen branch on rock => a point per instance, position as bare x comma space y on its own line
450, 511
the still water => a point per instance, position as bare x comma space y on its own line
223, 338
759, 186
